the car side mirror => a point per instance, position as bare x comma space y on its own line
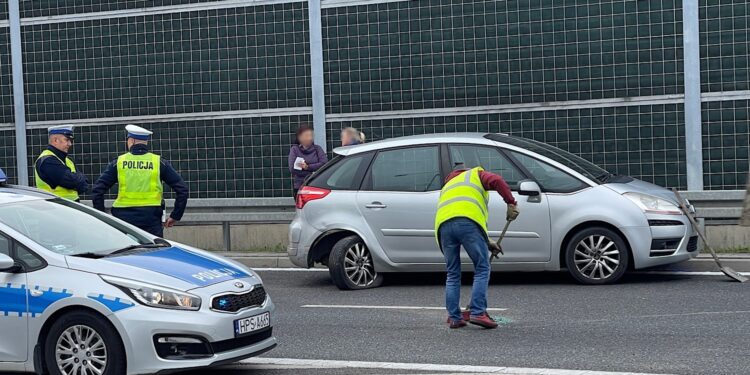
530, 189
7, 264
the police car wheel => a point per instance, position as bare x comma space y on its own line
82, 342
351, 265
596, 256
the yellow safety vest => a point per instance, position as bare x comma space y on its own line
139, 177
463, 196
59, 191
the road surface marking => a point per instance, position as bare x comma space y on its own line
328, 364
687, 273
670, 273
372, 307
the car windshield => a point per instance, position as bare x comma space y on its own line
68, 228
576, 163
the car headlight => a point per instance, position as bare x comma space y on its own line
653, 205
155, 296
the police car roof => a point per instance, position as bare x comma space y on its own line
15, 194
3, 177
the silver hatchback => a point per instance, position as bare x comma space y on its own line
371, 211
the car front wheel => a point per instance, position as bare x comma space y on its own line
597, 256
83, 343
351, 265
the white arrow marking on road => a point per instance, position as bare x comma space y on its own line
372, 307
326, 364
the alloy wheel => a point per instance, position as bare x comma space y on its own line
80, 350
358, 265
597, 257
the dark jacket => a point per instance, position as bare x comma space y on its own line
314, 157
142, 216
55, 173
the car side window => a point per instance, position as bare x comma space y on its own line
490, 159
344, 175
550, 178
4, 245
414, 169
30, 260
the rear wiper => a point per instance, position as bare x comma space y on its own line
140, 246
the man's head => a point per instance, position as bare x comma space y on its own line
137, 135
61, 137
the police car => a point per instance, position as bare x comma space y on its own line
82, 292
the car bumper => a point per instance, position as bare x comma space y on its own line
140, 326
661, 244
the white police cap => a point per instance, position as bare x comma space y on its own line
137, 132
66, 130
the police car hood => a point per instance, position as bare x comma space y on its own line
176, 267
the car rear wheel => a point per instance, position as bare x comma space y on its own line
597, 256
351, 265
83, 343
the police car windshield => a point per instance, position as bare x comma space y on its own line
67, 228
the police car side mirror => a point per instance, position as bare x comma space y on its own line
7, 264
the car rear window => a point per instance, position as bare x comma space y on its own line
342, 173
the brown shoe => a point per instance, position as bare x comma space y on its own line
483, 320
465, 315
456, 323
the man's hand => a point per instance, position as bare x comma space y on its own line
170, 223
512, 212
495, 249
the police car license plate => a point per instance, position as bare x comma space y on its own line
251, 324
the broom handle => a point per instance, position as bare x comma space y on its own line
502, 235
695, 226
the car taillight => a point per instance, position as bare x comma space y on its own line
308, 193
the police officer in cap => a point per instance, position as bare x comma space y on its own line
139, 174
54, 171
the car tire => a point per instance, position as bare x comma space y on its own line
597, 256
351, 265
103, 351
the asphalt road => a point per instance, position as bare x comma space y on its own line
646, 324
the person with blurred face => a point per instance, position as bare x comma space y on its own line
351, 137
54, 172
305, 157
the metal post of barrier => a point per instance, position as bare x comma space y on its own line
225, 228
692, 81
316, 73
19, 108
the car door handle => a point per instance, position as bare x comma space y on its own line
35, 293
376, 205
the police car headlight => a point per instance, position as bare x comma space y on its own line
155, 296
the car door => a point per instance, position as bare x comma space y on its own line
398, 200
13, 310
528, 237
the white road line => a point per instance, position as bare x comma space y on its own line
687, 273
373, 307
328, 364
672, 273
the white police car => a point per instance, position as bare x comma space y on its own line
84, 293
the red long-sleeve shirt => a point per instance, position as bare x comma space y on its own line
490, 181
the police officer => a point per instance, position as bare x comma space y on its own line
54, 171
139, 174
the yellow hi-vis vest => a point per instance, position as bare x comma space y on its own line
463, 196
139, 177
59, 191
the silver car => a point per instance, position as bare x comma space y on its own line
371, 211
84, 293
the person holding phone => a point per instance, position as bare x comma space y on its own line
305, 157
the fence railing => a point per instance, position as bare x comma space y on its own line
715, 207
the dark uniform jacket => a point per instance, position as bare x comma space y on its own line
142, 217
56, 173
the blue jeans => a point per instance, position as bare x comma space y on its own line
464, 232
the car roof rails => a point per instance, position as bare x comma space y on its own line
3, 177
